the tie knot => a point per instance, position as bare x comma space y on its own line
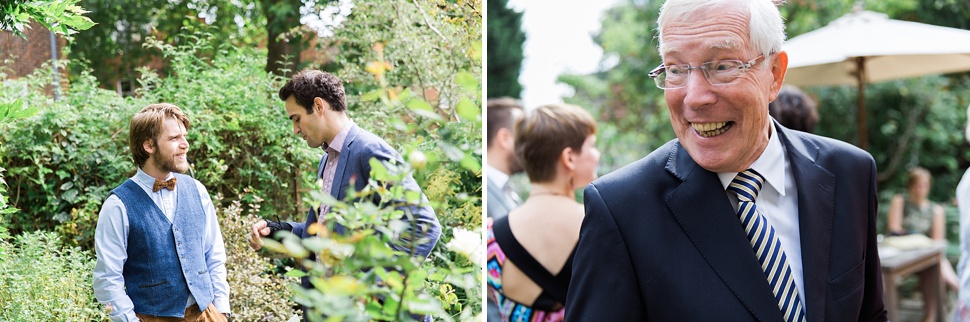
747, 185
164, 184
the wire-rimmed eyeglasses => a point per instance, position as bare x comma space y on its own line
718, 72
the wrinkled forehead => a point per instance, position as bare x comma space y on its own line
715, 45
705, 26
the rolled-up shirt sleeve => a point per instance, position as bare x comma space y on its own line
110, 246
215, 252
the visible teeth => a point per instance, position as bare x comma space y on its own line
709, 129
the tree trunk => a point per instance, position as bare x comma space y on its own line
282, 16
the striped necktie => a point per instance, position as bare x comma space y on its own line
766, 245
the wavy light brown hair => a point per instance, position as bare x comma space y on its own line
147, 125
543, 133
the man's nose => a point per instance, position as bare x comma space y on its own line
698, 89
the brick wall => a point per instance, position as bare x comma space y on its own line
20, 57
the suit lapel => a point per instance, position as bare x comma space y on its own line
346, 151
704, 212
816, 199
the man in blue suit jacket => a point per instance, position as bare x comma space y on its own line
316, 104
663, 238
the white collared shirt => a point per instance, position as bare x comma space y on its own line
497, 176
777, 201
111, 248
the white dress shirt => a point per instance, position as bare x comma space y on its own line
111, 245
497, 176
777, 201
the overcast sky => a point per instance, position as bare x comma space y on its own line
558, 40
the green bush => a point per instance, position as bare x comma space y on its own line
63, 162
42, 281
256, 291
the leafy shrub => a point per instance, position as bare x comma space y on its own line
256, 291
42, 281
63, 162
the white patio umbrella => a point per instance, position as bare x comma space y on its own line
866, 47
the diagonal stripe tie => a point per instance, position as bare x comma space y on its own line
766, 245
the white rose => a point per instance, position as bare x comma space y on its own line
468, 243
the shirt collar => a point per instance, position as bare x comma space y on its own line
142, 178
771, 165
497, 176
338, 140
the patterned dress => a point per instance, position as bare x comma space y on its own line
509, 309
917, 220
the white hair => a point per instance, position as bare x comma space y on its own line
766, 27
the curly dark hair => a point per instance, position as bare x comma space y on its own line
309, 84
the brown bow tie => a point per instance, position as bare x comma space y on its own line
167, 184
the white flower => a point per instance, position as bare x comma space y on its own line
468, 243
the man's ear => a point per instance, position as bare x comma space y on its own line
505, 138
779, 67
149, 146
319, 105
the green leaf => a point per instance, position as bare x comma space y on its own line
377, 170
429, 114
315, 244
413, 197
371, 96
467, 110
419, 104
467, 80
296, 273
404, 95
471, 164
70, 196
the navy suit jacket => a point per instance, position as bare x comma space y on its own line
661, 241
354, 168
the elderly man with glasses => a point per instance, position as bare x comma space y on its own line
739, 218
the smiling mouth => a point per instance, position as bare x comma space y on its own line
711, 129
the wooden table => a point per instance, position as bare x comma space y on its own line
897, 264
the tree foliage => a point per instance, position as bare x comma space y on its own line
505, 40
115, 49
63, 17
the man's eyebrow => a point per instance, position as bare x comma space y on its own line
725, 44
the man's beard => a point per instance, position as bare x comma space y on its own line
514, 165
169, 164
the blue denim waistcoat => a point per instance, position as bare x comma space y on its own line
166, 261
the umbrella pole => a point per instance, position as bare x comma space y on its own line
861, 104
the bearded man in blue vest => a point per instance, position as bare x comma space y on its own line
160, 252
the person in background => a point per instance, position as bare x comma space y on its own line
739, 218
962, 312
502, 114
794, 110
160, 255
530, 250
316, 105
914, 213
501, 163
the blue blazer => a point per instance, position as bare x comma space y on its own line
354, 168
661, 241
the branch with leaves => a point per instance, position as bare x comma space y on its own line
63, 17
